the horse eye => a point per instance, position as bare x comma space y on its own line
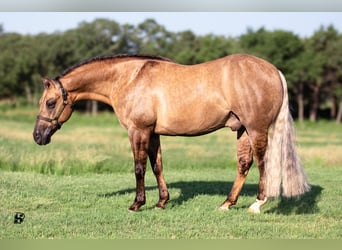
51, 104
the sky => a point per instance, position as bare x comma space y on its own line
230, 24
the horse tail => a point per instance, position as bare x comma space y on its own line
283, 170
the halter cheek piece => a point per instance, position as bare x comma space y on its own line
54, 120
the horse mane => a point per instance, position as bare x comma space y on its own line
110, 57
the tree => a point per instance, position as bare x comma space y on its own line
333, 70
212, 47
279, 47
305, 68
17, 65
7, 63
327, 73
185, 47
153, 38
96, 38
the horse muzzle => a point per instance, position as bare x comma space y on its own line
41, 135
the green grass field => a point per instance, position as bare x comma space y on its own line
81, 185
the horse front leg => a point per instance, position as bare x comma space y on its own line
139, 142
245, 160
155, 156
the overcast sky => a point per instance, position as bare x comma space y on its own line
218, 23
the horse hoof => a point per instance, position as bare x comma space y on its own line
133, 208
253, 210
223, 208
159, 206
255, 207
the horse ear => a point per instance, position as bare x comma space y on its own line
46, 82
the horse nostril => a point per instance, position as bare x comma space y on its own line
36, 136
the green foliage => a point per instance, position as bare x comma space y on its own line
311, 65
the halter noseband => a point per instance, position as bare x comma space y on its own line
58, 114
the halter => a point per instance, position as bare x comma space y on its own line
54, 120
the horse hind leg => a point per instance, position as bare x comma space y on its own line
155, 156
245, 160
259, 145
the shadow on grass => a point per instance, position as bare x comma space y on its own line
306, 204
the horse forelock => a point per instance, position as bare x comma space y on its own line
111, 57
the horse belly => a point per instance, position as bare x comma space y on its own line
191, 122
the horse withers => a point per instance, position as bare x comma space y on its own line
154, 96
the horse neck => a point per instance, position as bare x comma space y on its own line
89, 84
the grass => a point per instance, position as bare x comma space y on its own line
81, 185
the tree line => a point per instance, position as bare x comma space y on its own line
312, 65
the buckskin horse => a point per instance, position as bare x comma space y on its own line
154, 96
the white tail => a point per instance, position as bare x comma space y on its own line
283, 170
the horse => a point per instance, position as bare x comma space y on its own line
153, 96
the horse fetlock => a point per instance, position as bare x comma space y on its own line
165, 196
163, 200
226, 205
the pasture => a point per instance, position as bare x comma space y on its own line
81, 185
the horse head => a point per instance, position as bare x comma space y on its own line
55, 109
